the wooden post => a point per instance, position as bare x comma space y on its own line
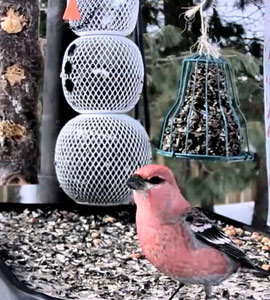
20, 71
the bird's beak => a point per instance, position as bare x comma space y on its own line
136, 182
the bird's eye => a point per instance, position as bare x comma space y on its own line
155, 180
189, 218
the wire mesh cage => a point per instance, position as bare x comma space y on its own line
96, 154
102, 74
206, 121
106, 17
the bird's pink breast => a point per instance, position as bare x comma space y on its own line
171, 250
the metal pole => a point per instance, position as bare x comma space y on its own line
56, 111
139, 42
136, 111
267, 96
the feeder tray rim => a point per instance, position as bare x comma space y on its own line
203, 58
246, 156
105, 115
104, 36
126, 202
105, 112
101, 33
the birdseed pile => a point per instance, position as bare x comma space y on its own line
192, 117
77, 256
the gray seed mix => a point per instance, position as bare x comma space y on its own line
74, 256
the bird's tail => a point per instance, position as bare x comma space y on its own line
257, 271
261, 273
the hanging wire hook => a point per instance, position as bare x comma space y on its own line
206, 4
202, 5
203, 45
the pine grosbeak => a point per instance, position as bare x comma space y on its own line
179, 239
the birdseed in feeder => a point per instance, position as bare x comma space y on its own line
206, 116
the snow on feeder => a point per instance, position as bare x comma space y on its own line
206, 121
96, 154
102, 74
105, 17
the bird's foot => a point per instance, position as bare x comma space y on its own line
177, 290
208, 290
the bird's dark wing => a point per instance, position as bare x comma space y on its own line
207, 232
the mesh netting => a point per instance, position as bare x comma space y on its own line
106, 16
102, 73
206, 121
96, 154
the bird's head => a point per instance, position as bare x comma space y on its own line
151, 177
156, 186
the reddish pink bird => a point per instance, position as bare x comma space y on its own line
178, 239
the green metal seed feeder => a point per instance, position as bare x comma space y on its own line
205, 122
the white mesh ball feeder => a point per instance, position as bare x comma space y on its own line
105, 17
102, 74
96, 154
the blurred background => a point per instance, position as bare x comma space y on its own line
237, 190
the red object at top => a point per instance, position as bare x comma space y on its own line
72, 12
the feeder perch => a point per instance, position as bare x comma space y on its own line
102, 74
205, 122
96, 154
117, 17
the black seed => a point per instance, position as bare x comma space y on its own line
69, 85
68, 68
71, 50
